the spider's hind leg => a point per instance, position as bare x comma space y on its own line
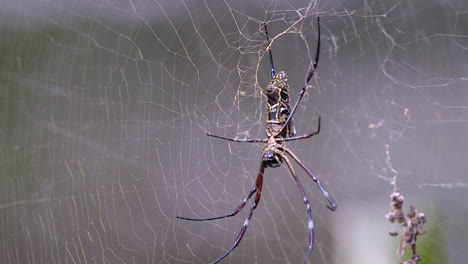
272, 65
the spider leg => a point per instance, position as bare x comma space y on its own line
309, 76
233, 213
307, 203
332, 204
258, 184
303, 136
272, 66
250, 140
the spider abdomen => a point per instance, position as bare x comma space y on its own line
278, 106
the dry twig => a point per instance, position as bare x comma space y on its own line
412, 224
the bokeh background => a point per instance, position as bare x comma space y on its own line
104, 106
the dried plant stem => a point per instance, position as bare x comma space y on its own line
412, 224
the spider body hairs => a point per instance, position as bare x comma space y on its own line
280, 128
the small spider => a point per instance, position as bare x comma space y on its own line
279, 129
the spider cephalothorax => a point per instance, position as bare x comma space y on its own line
279, 130
272, 154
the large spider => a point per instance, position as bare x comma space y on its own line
279, 130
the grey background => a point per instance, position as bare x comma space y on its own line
104, 108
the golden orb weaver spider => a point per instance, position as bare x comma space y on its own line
279, 129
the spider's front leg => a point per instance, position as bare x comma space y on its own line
233, 213
331, 203
305, 199
258, 190
259, 184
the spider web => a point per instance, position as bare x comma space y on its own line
105, 106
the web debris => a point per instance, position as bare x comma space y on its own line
412, 224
